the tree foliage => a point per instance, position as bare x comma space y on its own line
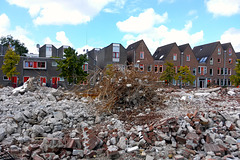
11, 59
185, 74
19, 47
235, 79
169, 73
71, 66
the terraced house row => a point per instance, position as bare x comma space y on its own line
211, 63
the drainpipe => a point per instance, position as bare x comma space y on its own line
224, 67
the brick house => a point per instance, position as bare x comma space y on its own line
238, 55
187, 58
114, 54
216, 63
139, 55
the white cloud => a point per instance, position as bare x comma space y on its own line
5, 23
232, 35
192, 12
18, 33
162, 35
223, 7
58, 12
83, 49
144, 22
169, 1
61, 37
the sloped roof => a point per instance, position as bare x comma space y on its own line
162, 52
238, 55
203, 52
133, 45
226, 45
183, 47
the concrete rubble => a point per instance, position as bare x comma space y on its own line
45, 123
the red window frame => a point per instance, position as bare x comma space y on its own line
141, 67
85, 67
116, 55
160, 68
25, 78
155, 66
230, 60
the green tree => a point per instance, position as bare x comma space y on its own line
169, 73
19, 47
71, 66
235, 79
11, 59
185, 75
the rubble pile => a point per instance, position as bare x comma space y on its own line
46, 123
126, 89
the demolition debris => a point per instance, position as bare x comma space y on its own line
128, 118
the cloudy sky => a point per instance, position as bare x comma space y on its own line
97, 23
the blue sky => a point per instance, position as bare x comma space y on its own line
97, 23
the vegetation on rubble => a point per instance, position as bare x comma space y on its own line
71, 66
169, 74
11, 59
235, 79
131, 89
19, 47
185, 75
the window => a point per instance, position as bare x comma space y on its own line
219, 60
54, 63
229, 71
211, 61
221, 82
226, 71
211, 72
222, 71
61, 79
202, 70
48, 48
141, 67
156, 68
229, 82
176, 69
188, 58
5, 78
141, 55
219, 51
230, 61
175, 57
230, 51
34, 65
218, 71
149, 68
161, 68
194, 71
41, 65
85, 67
115, 54
174, 82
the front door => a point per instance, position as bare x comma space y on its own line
55, 82
14, 82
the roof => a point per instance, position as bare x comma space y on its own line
203, 52
134, 45
162, 52
226, 45
238, 55
183, 47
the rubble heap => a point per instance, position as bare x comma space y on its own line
47, 123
